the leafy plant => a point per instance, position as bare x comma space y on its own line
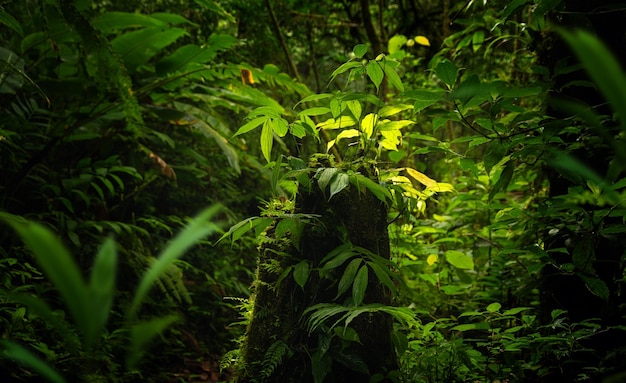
89, 303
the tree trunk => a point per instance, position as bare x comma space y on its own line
277, 322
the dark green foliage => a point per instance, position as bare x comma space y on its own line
490, 133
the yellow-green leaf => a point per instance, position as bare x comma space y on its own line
341, 122
422, 40
432, 259
267, 139
421, 177
368, 123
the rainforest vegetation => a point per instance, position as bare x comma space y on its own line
327, 191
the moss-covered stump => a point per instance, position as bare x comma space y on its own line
278, 346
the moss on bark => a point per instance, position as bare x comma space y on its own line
354, 216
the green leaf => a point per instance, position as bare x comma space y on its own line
393, 77
375, 73
301, 273
447, 72
504, 180
596, 285
583, 255
142, 333
359, 286
338, 183
459, 260
102, 289
515, 311
383, 276
197, 229
21, 355
355, 108
348, 276
111, 22
317, 111
337, 257
60, 268
189, 54
493, 154
381, 192
494, 307
137, 47
251, 125
10, 21
359, 50
343, 68
325, 176
267, 139
602, 66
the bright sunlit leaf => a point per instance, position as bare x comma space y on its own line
422, 40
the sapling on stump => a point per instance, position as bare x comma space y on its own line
280, 346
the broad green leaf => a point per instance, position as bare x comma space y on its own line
59, 266
477, 39
317, 111
396, 43
10, 21
142, 333
383, 275
583, 255
421, 177
137, 47
459, 260
390, 110
21, 355
447, 72
347, 279
494, 307
515, 311
381, 192
393, 78
325, 176
503, 181
301, 273
602, 66
337, 257
111, 22
348, 133
341, 122
280, 126
394, 124
355, 108
196, 230
359, 286
368, 123
375, 73
171, 18
359, 50
314, 97
495, 151
513, 7
338, 183
343, 68
251, 125
420, 105
336, 107
267, 139
188, 54
596, 285
425, 95
102, 289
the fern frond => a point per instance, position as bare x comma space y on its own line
274, 357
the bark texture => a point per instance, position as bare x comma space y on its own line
353, 215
